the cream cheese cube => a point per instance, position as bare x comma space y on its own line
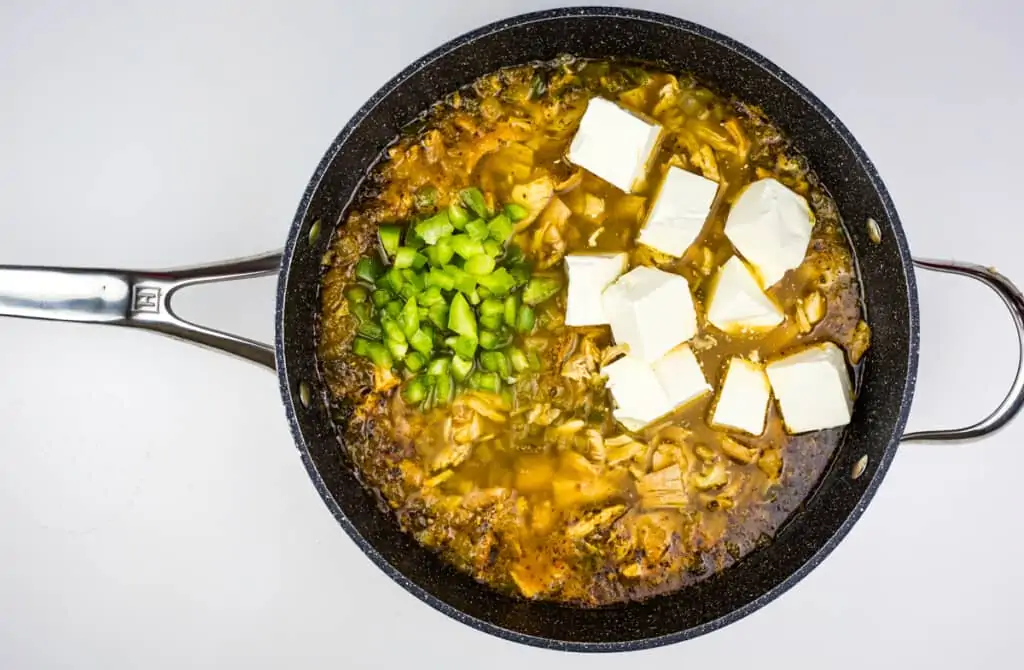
812, 388
589, 275
679, 212
614, 144
651, 311
638, 395
680, 376
743, 398
771, 226
736, 302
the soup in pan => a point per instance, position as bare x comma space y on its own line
589, 330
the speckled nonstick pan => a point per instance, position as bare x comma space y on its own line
143, 300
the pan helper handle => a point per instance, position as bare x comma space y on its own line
134, 298
1014, 400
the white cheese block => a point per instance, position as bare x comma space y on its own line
679, 212
812, 388
589, 275
651, 311
771, 226
736, 302
639, 398
743, 398
614, 144
680, 376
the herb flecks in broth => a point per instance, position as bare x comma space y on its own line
528, 483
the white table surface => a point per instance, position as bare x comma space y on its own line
153, 511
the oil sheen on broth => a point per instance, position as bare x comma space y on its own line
538, 493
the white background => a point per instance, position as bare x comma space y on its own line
153, 511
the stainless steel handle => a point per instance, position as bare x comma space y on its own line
1014, 400
134, 298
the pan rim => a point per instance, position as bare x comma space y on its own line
786, 80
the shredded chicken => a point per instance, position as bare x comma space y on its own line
535, 197
596, 521
663, 488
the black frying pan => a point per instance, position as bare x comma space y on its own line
142, 299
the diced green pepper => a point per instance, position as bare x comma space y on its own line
438, 366
444, 389
369, 268
397, 349
438, 315
465, 346
370, 330
499, 282
425, 197
404, 257
516, 212
500, 228
517, 357
473, 297
457, 215
415, 361
440, 279
534, 358
392, 329
461, 318
422, 342
474, 199
392, 279
361, 347
491, 306
495, 361
361, 310
393, 308
412, 239
409, 319
492, 340
466, 247
526, 319
477, 230
380, 355
441, 253
390, 238
381, 297
511, 307
492, 248
415, 390
414, 278
520, 271
407, 291
419, 261
539, 289
431, 296
479, 265
435, 227
491, 321
513, 255
462, 367
485, 381
357, 294
483, 292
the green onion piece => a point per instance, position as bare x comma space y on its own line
457, 215
462, 367
435, 227
415, 361
390, 238
438, 315
439, 279
422, 342
409, 319
466, 247
491, 321
425, 197
381, 297
526, 319
361, 347
397, 349
460, 317
477, 230
444, 391
516, 212
518, 359
368, 269
392, 329
474, 199
492, 248
370, 330
356, 294
499, 282
465, 346
491, 307
441, 253
480, 265
539, 289
361, 311
415, 391
485, 381
438, 366
393, 308
404, 257
431, 296
492, 340
511, 307
500, 228
380, 355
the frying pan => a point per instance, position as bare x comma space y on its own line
143, 299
